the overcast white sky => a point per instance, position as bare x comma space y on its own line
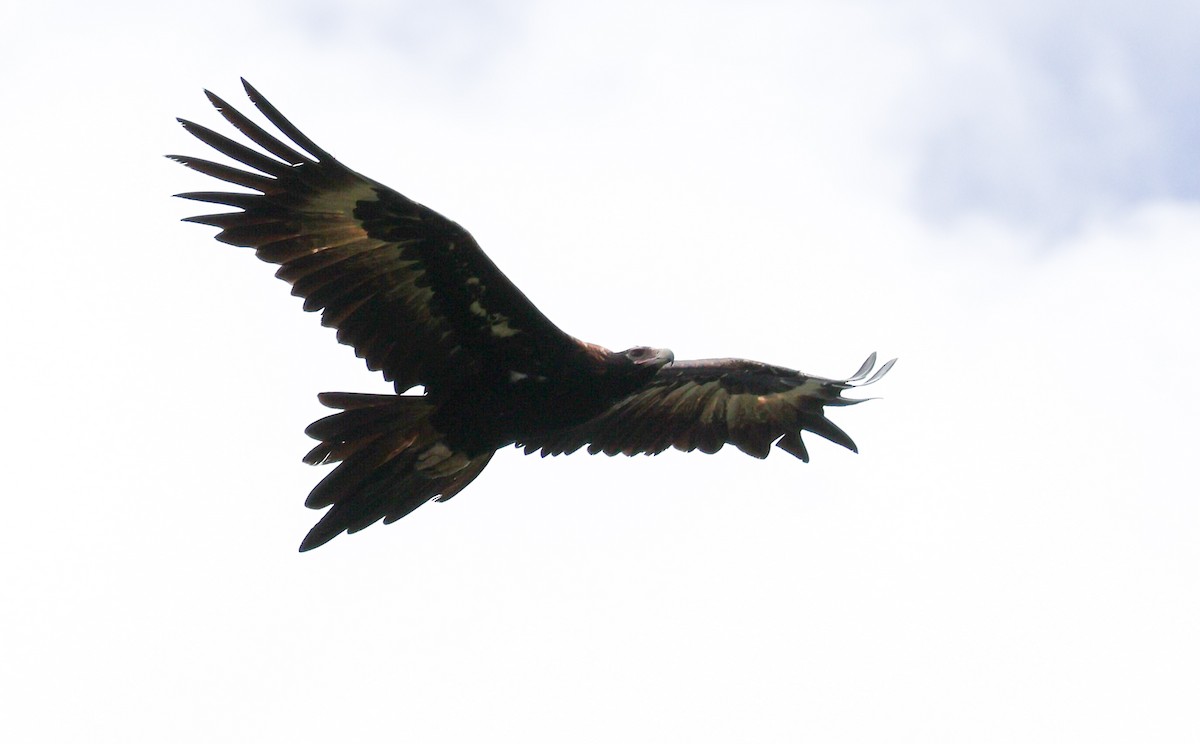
1008, 199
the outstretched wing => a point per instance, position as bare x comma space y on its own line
704, 404
410, 290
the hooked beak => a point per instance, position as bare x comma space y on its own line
661, 358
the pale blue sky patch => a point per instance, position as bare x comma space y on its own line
1046, 118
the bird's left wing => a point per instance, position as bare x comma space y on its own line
705, 404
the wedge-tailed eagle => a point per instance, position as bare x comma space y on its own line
415, 296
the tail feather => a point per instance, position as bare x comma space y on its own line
392, 461
364, 419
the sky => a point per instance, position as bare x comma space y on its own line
1004, 196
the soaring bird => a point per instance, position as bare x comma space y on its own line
418, 300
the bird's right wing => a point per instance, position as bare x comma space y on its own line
410, 290
705, 404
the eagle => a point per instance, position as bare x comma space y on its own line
475, 365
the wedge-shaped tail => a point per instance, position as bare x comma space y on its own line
392, 461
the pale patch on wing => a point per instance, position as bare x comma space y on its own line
515, 376
715, 408
341, 202
439, 461
677, 400
497, 322
501, 328
810, 387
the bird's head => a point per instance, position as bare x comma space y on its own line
637, 365
647, 357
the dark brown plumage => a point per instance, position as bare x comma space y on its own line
416, 298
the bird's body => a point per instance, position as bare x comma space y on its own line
418, 299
